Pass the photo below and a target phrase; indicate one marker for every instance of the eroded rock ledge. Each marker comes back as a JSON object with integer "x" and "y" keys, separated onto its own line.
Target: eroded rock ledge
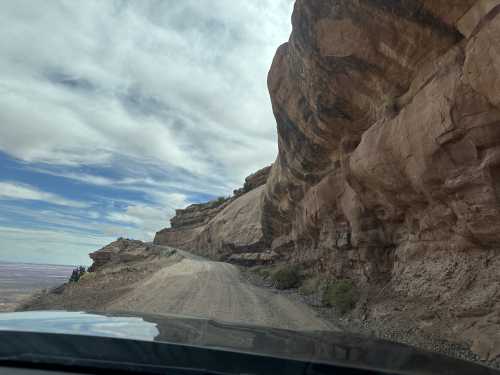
{"x": 121, "y": 251}
{"x": 388, "y": 172}
{"x": 221, "y": 227}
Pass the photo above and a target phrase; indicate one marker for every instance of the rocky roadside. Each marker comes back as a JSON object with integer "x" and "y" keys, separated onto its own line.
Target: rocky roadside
{"x": 117, "y": 268}
{"x": 402, "y": 333}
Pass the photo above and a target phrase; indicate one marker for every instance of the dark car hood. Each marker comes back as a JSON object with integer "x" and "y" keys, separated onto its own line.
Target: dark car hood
{"x": 311, "y": 346}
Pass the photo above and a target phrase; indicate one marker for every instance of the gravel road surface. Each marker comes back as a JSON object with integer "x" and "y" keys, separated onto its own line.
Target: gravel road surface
{"x": 216, "y": 290}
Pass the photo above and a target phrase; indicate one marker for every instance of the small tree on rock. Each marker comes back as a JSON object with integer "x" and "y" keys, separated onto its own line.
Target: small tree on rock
{"x": 77, "y": 274}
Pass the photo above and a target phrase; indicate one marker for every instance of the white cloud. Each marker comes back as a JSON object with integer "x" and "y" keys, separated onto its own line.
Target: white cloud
{"x": 48, "y": 246}
{"x": 143, "y": 182}
{"x": 15, "y": 190}
{"x": 93, "y": 215}
{"x": 81, "y": 177}
{"x": 180, "y": 84}
{"x": 147, "y": 219}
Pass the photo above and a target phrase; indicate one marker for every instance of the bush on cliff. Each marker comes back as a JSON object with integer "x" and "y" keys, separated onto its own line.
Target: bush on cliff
{"x": 264, "y": 271}
{"x": 311, "y": 286}
{"x": 220, "y": 200}
{"x": 340, "y": 295}
{"x": 286, "y": 277}
{"x": 77, "y": 273}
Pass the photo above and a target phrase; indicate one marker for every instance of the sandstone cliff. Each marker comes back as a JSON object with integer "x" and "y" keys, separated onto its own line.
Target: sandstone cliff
{"x": 222, "y": 227}
{"x": 120, "y": 252}
{"x": 388, "y": 172}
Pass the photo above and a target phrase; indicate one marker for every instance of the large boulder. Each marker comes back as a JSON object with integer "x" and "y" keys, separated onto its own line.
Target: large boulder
{"x": 120, "y": 251}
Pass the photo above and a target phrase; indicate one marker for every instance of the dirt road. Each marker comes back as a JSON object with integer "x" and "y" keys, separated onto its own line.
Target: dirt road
{"x": 198, "y": 287}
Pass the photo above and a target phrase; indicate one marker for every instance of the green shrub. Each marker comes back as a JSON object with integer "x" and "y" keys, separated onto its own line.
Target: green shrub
{"x": 220, "y": 200}
{"x": 167, "y": 252}
{"x": 286, "y": 277}
{"x": 77, "y": 273}
{"x": 340, "y": 295}
{"x": 256, "y": 269}
{"x": 390, "y": 104}
{"x": 310, "y": 286}
{"x": 263, "y": 271}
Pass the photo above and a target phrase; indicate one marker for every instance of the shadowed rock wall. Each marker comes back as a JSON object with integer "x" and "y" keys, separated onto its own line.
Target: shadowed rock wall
{"x": 388, "y": 171}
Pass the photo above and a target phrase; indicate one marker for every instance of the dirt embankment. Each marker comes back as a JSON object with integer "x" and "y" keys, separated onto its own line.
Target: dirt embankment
{"x": 164, "y": 281}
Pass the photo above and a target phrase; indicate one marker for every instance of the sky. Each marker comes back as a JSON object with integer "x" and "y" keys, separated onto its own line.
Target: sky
{"x": 115, "y": 113}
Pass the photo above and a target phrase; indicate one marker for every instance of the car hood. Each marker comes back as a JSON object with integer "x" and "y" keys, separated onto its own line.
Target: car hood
{"x": 311, "y": 346}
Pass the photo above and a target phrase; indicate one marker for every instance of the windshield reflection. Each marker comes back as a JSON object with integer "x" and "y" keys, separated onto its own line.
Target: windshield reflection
{"x": 79, "y": 323}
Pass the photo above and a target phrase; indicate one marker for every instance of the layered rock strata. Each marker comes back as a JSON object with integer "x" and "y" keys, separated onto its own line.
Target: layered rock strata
{"x": 119, "y": 252}
{"x": 221, "y": 227}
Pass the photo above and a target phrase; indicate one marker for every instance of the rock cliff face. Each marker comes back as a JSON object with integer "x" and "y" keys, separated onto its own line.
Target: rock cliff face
{"x": 119, "y": 252}
{"x": 254, "y": 181}
{"x": 198, "y": 214}
{"x": 388, "y": 172}
{"x": 221, "y": 227}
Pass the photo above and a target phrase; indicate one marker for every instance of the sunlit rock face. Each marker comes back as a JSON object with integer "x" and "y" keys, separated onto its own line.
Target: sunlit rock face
{"x": 346, "y": 68}
{"x": 388, "y": 172}
{"x": 222, "y": 227}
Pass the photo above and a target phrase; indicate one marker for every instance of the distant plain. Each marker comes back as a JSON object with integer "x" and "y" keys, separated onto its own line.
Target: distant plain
{"x": 18, "y": 281}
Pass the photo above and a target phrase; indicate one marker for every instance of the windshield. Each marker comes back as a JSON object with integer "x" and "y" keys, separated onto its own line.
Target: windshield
{"x": 314, "y": 166}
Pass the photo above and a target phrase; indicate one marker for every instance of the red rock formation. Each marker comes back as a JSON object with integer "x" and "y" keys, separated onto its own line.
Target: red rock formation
{"x": 388, "y": 170}
{"x": 221, "y": 227}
